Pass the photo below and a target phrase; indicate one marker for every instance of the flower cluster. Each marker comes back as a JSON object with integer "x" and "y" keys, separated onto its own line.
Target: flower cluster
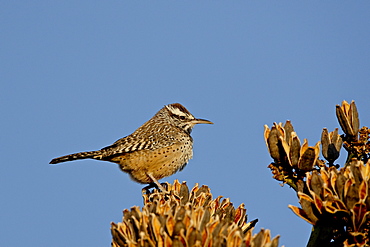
{"x": 334, "y": 200}
{"x": 291, "y": 158}
{"x": 182, "y": 218}
{"x": 340, "y": 200}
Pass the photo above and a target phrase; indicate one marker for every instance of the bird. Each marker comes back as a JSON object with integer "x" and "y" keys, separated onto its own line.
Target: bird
{"x": 159, "y": 148}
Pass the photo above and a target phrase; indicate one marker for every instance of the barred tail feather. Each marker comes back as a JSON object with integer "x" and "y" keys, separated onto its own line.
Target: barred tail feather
{"x": 77, "y": 156}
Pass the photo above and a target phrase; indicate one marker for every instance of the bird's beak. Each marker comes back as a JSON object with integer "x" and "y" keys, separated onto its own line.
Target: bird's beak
{"x": 200, "y": 121}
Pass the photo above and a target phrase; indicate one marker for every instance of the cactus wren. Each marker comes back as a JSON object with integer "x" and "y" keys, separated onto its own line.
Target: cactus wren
{"x": 159, "y": 148}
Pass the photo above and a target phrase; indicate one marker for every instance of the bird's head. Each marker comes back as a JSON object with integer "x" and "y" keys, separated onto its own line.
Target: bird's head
{"x": 182, "y": 118}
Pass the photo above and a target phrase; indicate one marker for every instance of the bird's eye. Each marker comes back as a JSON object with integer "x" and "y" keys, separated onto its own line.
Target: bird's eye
{"x": 182, "y": 117}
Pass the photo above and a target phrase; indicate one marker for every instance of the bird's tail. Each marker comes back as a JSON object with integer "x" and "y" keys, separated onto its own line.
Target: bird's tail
{"x": 78, "y": 156}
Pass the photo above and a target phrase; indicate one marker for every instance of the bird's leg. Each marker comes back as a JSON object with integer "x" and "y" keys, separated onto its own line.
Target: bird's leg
{"x": 159, "y": 186}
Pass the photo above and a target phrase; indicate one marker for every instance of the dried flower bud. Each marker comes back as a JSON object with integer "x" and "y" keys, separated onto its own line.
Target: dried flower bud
{"x": 272, "y": 138}
{"x": 283, "y": 144}
{"x": 331, "y": 144}
{"x": 348, "y": 118}
{"x": 309, "y": 156}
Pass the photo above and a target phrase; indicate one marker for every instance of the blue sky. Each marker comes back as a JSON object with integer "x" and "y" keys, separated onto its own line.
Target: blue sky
{"x": 78, "y": 75}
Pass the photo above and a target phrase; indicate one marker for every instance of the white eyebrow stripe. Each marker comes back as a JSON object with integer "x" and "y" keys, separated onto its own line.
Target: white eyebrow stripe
{"x": 176, "y": 111}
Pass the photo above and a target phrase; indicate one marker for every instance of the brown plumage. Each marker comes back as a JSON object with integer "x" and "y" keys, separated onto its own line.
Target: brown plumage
{"x": 159, "y": 148}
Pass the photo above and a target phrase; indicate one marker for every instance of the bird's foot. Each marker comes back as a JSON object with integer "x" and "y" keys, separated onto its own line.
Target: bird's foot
{"x": 163, "y": 187}
{"x": 156, "y": 183}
